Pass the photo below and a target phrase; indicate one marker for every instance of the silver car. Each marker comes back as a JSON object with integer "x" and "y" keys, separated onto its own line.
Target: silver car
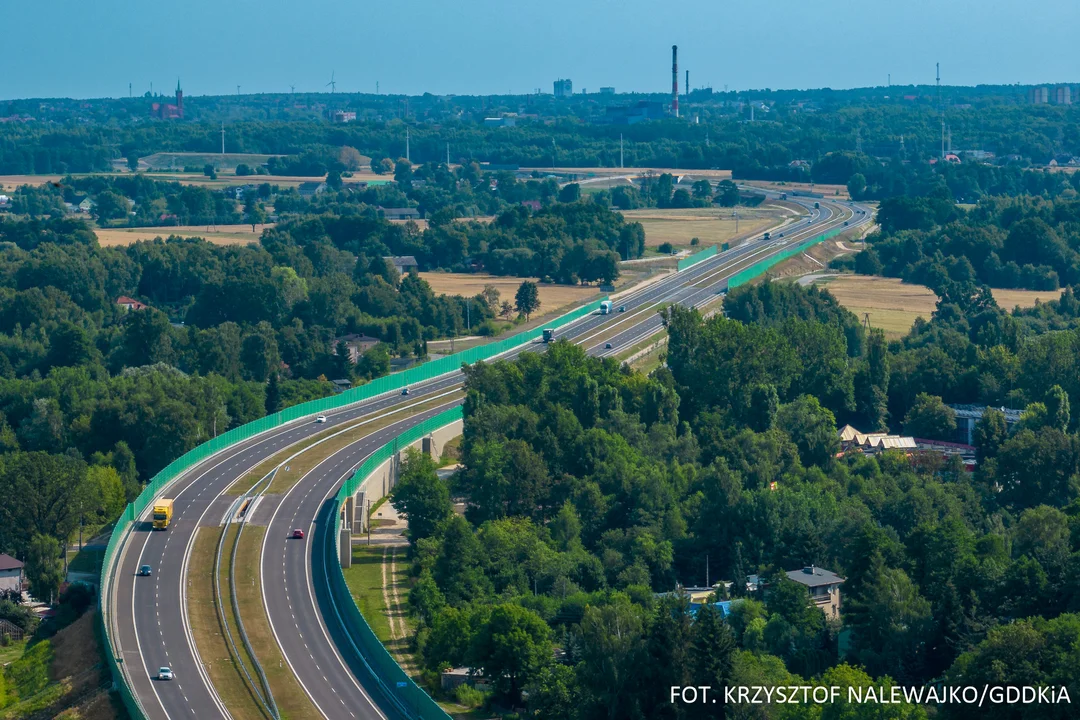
{"x": 165, "y": 673}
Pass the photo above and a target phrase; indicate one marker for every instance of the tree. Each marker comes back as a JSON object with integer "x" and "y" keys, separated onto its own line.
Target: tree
{"x": 868, "y": 263}
{"x": 420, "y": 495}
{"x": 527, "y": 298}
{"x": 990, "y": 433}
{"x": 930, "y": 418}
{"x": 727, "y": 193}
{"x": 702, "y": 190}
{"x": 243, "y": 170}
{"x": 44, "y": 568}
{"x": 812, "y": 428}
{"x": 570, "y": 193}
{"x": 254, "y": 215}
{"x": 506, "y": 309}
{"x": 1057, "y": 408}
{"x": 133, "y": 162}
{"x": 856, "y": 186}
{"x": 711, "y": 652}
{"x": 511, "y": 648}
{"x": 350, "y": 158}
{"x": 490, "y": 294}
{"x": 210, "y": 171}
{"x": 110, "y": 206}
{"x": 273, "y": 394}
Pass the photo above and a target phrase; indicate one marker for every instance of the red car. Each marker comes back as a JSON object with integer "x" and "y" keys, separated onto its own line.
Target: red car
{"x": 298, "y": 534}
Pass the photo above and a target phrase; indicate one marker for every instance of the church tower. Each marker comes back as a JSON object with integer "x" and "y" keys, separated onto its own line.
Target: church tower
{"x": 179, "y": 100}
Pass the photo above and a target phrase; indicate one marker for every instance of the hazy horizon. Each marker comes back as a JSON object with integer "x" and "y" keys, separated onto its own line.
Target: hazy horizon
{"x": 497, "y": 48}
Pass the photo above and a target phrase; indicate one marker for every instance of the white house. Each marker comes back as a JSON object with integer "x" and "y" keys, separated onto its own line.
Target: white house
{"x": 11, "y": 573}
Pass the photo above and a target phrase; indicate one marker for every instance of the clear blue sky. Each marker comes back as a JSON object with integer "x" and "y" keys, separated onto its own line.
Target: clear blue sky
{"x": 79, "y": 49}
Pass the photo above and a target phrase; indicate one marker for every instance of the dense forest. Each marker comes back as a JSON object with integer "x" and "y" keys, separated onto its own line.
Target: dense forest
{"x": 1027, "y": 242}
{"x": 592, "y": 492}
{"x": 96, "y": 398}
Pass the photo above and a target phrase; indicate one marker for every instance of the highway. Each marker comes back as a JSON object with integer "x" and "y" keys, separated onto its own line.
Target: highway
{"x": 150, "y": 612}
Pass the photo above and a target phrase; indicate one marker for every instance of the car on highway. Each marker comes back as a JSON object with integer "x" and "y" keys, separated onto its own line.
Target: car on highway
{"x": 165, "y": 673}
{"x": 144, "y": 571}
{"x": 297, "y": 534}
{"x": 845, "y": 223}
{"x": 607, "y": 346}
{"x": 404, "y": 391}
{"x": 320, "y": 419}
{"x": 781, "y": 234}
{"x": 622, "y": 308}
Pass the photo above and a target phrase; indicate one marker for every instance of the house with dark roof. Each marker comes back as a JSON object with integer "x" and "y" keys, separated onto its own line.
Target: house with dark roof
{"x": 11, "y": 574}
{"x": 403, "y": 264}
{"x": 311, "y": 189}
{"x": 824, "y": 586}
{"x": 399, "y": 213}
{"x": 968, "y": 415}
{"x": 357, "y": 345}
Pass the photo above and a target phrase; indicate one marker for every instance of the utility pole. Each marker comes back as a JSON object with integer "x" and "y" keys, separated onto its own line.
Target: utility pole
{"x": 222, "y": 138}
{"x": 447, "y": 156}
{"x": 407, "y": 144}
{"x": 621, "y": 152}
{"x": 552, "y": 154}
{"x": 237, "y": 91}
{"x": 129, "y": 89}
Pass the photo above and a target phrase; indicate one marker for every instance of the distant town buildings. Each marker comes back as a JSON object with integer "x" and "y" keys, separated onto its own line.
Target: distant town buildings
{"x": 343, "y": 116}
{"x": 563, "y": 88}
{"x": 11, "y": 574}
{"x": 642, "y": 112}
{"x": 1063, "y": 95}
{"x": 163, "y": 111}
{"x": 500, "y": 122}
{"x": 607, "y": 91}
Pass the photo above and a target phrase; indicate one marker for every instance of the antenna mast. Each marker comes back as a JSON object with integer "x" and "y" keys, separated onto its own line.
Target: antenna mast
{"x": 941, "y": 110}
{"x": 222, "y": 138}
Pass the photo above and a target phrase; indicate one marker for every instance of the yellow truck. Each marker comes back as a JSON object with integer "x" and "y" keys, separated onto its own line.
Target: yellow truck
{"x": 162, "y": 514}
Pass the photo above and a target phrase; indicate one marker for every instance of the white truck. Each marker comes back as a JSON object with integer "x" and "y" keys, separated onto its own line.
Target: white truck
{"x": 605, "y": 307}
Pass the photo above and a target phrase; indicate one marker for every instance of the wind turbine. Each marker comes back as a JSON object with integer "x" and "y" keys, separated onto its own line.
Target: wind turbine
{"x": 332, "y": 85}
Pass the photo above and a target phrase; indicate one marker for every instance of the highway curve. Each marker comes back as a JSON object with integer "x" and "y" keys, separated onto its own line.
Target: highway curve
{"x": 150, "y": 613}
{"x": 305, "y": 618}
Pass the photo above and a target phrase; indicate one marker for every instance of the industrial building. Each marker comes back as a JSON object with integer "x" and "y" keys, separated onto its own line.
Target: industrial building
{"x": 563, "y": 88}
{"x": 1063, "y": 95}
{"x": 1038, "y": 96}
{"x": 642, "y": 112}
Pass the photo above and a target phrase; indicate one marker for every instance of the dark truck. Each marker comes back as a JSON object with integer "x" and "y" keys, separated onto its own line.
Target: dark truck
{"x": 549, "y": 334}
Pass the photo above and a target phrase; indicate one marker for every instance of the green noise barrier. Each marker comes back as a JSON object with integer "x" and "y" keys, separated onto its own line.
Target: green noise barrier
{"x": 195, "y": 456}
{"x": 396, "y": 683}
{"x": 744, "y": 276}
{"x": 696, "y": 258}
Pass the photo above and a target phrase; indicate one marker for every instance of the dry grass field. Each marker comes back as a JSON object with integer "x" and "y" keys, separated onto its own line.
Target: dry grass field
{"x": 8, "y": 183}
{"x": 217, "y": 234}
{"x": 1009, "y": 299}
{"x": 893, "y": 304}
{"x": 552, "y": 297}
{"x": 710, "y": 226}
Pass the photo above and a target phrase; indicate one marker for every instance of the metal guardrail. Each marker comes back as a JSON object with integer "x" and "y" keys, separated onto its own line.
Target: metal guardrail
{"x": 220, "y": 605}
{"x": 197, "y": 455}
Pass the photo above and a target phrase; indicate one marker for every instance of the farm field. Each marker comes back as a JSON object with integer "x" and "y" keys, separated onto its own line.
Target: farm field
{"x": 8, "y": 183}
{"x": 552, "y": 297}
{"x": 218, "y": 234}
{"x": 710, "y": 226}
{"x": 893, "y": 304}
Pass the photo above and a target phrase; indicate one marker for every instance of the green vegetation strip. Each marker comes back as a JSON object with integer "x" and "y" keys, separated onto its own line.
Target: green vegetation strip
{"x": 210, "y": 638}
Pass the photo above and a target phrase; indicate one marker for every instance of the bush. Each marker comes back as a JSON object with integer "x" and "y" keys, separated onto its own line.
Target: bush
{"x": 243, "y": 170}
{"x": 666, "y": 248}
{"x": 470, "y": 697}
